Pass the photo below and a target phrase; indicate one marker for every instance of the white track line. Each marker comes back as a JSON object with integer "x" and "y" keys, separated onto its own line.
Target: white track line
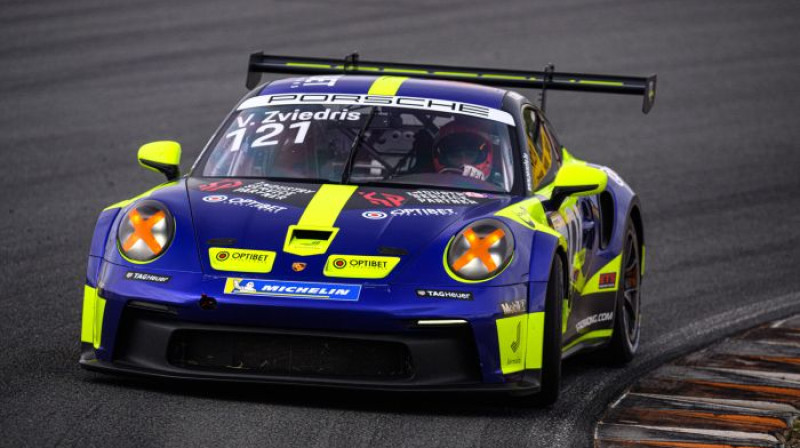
{"x": 782, "y": 376}
{"x": 743, "y": 404}
{"x": 721, "y": 434}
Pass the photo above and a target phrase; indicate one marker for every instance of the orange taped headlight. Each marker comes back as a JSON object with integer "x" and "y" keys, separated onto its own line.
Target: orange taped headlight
{"x": 481, "y": 250}
{"x": 145, "y": 231}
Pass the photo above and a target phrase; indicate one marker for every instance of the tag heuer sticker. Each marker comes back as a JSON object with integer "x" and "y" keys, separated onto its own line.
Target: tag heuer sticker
{"x": 145, "y": 277}
{"x": 443, "y": 294}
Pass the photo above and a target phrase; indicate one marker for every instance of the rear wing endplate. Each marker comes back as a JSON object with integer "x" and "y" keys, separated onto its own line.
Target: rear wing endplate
{"x": 550, "y": 80}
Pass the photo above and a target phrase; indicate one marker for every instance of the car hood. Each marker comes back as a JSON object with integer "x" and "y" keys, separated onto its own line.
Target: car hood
{"x": 403, "y": 222}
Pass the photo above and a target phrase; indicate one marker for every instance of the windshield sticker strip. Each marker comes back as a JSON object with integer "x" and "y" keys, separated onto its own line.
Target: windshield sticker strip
{"x": 387, "y": 85}
{"x": 407, "y": 102}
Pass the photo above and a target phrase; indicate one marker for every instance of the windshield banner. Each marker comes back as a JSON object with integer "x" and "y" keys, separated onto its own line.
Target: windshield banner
{"x": 455, "y": 107}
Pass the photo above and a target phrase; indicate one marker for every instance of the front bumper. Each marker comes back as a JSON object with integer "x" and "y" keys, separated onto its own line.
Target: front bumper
{"x": 515, "y": 388}
{"x": 377, "y": 343}
{"x": 156, "y": 344}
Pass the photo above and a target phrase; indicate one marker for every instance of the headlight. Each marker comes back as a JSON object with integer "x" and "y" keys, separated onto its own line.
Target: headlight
{"x": 145, "y": 231}
{"x": 481, "y": 250}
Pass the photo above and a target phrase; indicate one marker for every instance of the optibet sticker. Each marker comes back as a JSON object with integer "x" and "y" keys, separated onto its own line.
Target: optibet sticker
{"x": 240, "y": 260}
{"x": 244, "y": 202}
{"x": 359, "y": 266}
{"x": 374, "y": 215}
{"x": 215, "y": 198}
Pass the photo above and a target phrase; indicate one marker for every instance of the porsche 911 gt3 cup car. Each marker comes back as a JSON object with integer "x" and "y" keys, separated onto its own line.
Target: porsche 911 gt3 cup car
{"x": 372, "y": 225}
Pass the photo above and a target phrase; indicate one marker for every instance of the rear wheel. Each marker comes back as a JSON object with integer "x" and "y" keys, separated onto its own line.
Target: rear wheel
{"x": 551, "y": 349}
{"x": 627, "y": 325}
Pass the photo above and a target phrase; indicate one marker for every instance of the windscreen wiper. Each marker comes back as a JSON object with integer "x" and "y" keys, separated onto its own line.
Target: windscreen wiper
{"x": 348, "y": 166}
{"x": 304, "y": 180}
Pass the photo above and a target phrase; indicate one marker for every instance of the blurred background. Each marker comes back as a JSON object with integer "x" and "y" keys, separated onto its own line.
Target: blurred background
{"x": 84, "y": 83}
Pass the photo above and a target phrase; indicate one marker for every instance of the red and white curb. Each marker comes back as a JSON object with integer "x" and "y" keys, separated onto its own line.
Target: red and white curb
{"x": 741, "y": 392}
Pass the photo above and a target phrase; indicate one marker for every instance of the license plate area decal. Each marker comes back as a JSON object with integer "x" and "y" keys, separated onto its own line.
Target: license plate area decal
{"x": 293, "y": 290}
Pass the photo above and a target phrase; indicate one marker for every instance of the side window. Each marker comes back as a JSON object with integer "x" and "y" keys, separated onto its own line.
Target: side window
{"x": 553, "y": 139}
{"x": 540, "y": 148}
{"x": 550, "y": 146}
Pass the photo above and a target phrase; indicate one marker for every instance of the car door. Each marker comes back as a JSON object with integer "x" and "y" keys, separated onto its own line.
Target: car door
{"x": 587, "y": 227}
{"x": 575, "y": 219}
{"x": 545, "y": 159}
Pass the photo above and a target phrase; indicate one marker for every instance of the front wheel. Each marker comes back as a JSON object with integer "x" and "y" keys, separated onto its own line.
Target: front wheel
{"x": 627, "y": 318}
{"x": 551, "y": 349}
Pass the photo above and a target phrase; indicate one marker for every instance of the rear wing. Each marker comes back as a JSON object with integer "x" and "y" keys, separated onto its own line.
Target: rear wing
{"x": 545, "y": 80}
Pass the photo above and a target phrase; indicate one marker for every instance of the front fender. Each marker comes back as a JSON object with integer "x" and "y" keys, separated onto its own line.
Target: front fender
{"x": 182, "y": 254}
{"x": 98, "y": 245}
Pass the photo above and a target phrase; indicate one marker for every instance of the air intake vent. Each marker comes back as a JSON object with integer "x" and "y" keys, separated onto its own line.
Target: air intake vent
{"x": 290, "y": 355}
{"x": 304, "y": 240}
{"x": 320, "y": 235}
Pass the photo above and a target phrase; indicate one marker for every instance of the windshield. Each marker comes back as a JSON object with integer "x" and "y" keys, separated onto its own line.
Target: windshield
{"x": 398, "y": 146}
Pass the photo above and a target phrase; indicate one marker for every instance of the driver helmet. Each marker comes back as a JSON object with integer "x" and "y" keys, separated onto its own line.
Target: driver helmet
{"x": 290, "y": 159}
{"x": 464, "y": 149}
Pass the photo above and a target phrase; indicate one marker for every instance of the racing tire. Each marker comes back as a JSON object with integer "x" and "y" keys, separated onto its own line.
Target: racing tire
{"x": 627, "y": 316}
{"x": 551, "y": 349}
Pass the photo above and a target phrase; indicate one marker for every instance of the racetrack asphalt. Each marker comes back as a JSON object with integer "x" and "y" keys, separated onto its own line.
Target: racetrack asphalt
{"x": 84, "y": 83}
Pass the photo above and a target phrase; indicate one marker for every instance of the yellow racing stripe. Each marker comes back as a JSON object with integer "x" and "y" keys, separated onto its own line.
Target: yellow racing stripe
{"x": 326, "y": 205}
{"x": 314, "y": 232}
{"x": 386, "y": 85}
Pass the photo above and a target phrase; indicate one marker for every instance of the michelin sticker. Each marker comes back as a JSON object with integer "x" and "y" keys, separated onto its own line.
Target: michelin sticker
{"x": 294, "y": 290}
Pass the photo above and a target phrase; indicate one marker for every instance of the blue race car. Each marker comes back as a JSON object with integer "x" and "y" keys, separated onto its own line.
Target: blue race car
{"x": 373, "y": 225}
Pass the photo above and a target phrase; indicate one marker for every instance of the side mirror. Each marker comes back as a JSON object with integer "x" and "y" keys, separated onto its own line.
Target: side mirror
{"x": 161, "y": 157}
{"x": 576, "y": 180}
